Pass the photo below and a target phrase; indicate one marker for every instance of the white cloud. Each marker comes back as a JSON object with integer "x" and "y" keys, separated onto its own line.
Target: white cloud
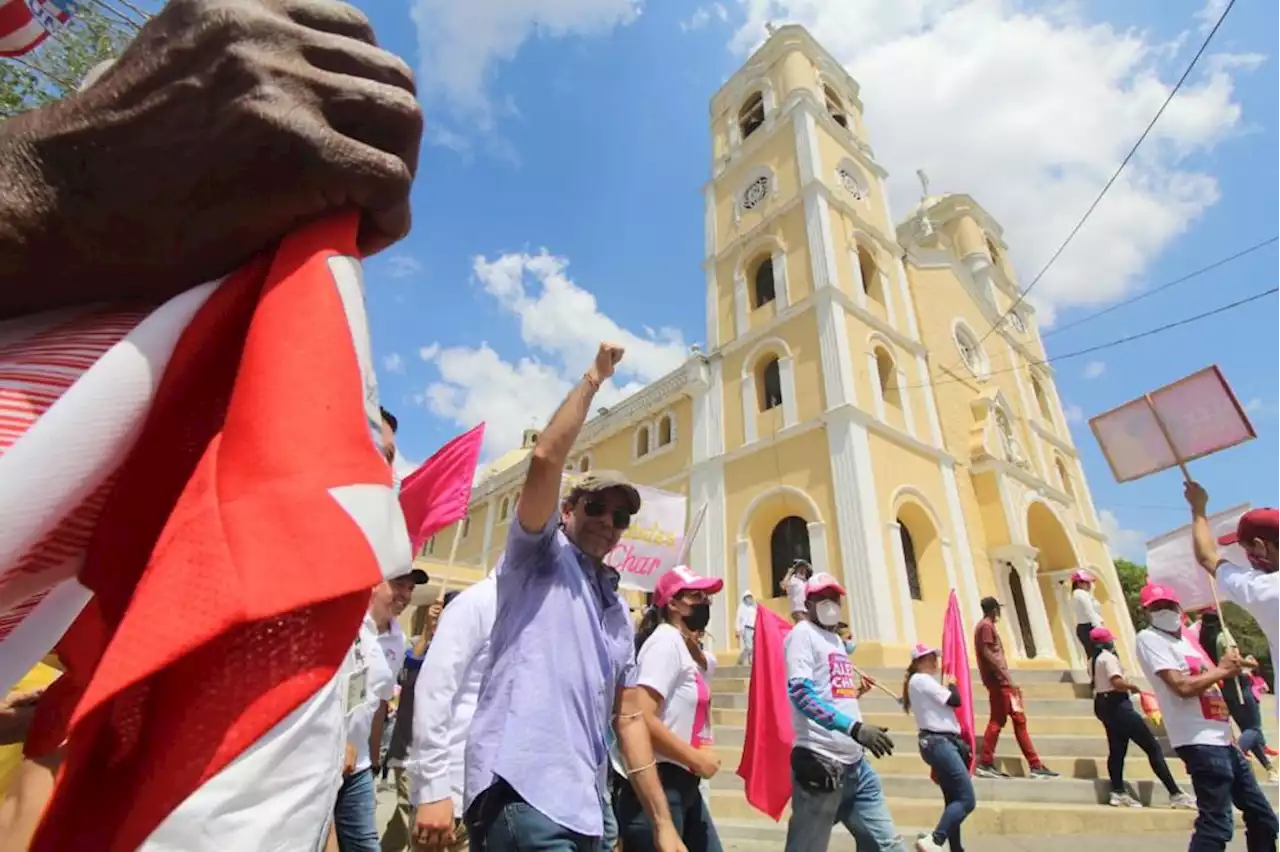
{"x": 563, "y": 324}
{"x": 1030, "y": 111}
{"x": 1074, "y": 413}
{"x": 702, "y": 16}
{"x": 1094, "y": 369}
{"x": 393, "y": 363}
{"x": 1126, "y": 543}
{"x": 403, "y": 265}
{"x": 461, "y": 42}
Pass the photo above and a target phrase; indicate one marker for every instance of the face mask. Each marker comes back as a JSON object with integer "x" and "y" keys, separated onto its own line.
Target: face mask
{"x": 849, "y": 645}
{"x": 1166, "y": 620}
{"x": 828, "y": 613}
{"x": 699, "y": 616}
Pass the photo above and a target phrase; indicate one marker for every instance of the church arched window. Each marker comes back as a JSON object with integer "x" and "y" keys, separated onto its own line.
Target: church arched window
{"x": 763, "y": 290}
{"x": 835, "y": 108}
{"x": 751, "y": 116}
{"x": 788, "y": 542}
{"x": 770, "y": 384}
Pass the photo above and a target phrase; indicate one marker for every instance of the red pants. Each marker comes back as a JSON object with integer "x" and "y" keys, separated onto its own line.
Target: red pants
{"x": 1006, "y": 704}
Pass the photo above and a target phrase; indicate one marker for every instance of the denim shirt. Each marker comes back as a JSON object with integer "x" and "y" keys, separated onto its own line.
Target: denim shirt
{"x": 562, "y": 645}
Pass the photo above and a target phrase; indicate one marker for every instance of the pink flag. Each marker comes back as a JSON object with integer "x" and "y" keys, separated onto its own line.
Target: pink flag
{"x": 766, "y": 749}
{"x": 955, "y": 662}
{"x": 437, "y": 493}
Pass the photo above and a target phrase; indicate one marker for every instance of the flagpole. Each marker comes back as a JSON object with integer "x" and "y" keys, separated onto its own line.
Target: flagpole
{"x": 887, "y": 691}
{"x": 687, "y": 544}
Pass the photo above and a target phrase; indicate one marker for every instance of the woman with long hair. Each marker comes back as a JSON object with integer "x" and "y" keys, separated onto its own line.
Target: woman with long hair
{"x": 1114, "y": 709}
{"x": 1241, "y": 702}
{"x": 934, "y": 706}
{"x": 676, "y": 700}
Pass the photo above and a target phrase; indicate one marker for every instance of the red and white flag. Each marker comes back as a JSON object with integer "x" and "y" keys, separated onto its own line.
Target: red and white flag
{"x": 24, "y": 24}
{"x": 222, "y": 515}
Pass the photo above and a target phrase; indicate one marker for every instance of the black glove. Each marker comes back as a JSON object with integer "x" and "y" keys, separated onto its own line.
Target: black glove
{"x": 874, "y": 739}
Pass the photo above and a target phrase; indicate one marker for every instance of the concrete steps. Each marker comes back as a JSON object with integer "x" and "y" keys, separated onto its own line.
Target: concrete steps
{"x": 1067, "y": 736}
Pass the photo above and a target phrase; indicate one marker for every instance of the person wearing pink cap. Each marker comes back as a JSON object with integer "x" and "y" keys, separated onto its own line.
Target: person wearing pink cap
{"x": 1114, "y": 709}
{"x": 1196, "y": 719}
{"x": 831, "y": 779}
{"x": 1085, "y": 608}
{"x": 673, "y": 674}
{"x": 948, "y": 755}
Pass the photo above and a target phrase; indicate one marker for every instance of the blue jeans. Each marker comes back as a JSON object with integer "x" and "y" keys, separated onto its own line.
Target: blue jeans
{"x": 354, "y": 814}
{"x": 858, "y": 802}
{"x": 688, "y": 809}
{"x": 500, "y": 821}
{"x": 943, "y": 755}
{"x": 1221, "y": 777}
{"x": 610, "y": 838}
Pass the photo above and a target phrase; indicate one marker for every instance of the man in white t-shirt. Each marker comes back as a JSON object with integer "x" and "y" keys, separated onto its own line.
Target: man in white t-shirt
{"x": 1195, "y": 716}
{"x": 830, "y": 778}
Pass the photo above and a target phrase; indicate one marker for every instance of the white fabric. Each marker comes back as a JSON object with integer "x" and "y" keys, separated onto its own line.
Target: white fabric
{"x": 746, "y": 617}
{"x": 795, "y": 594}
{"x": 818, "y": 656}
{"x": 1199, "y": 720}
{"x": 446, "y": 693}
{"x": 929, "y": 705}
{"x": 1085, "y": 608}
{"x": 1106, "y": 667}
{"x": 666, "y": 667}
{"x": 381, "y": 655}
{"x": 1257, "y": 593}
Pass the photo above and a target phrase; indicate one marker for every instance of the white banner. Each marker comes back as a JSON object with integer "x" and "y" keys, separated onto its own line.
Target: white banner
{"x": 651, "y": 545}
{"x": 1171, "y": 559}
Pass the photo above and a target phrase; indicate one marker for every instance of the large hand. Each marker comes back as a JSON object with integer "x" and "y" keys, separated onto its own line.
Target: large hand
{"x": 667, "y": 839}
{"x": 707, "y": 764}
{"x": 16, "y": 713}
{"x": 607, "y": 359}
{"x": 433, "y": 826}
{"x": 224, "y": 125}
{"x": 874, "y": 739}
{"x": 1197, "y": 497}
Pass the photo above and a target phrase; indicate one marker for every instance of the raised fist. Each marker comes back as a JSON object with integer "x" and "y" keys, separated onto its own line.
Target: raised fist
{"x": 607, "y": 359}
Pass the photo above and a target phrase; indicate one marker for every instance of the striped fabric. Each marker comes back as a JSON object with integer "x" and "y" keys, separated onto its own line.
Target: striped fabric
{"x": 24, "y": 24}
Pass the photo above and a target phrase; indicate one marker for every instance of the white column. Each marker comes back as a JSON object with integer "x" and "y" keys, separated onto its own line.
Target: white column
{"x": 1004, "y": 594}
{"x": 780, "y": 280}
{"x": 858, "y": 287}
{"x": 817, "y": 223}
{"x": 818, "y": 547}
{"x": 713, "y": 309}
{"x": 744, "y": 571}
{"x": 487, "y": 542}
{"x": 787, "y": 378}
{"x": 948, "y": 562}
{"x": 709, "y": 222}
{"x": 930, "y": 404}
{"x": 749, "y": 407}
{"x": 808, "y": 155}
{"x": 908, "y": 305}
{"x": 968, "y": 587}
{"x": 877, "y": 392}
{"x": 904, "y": 394}
{"x": 741, "y": 305}
{"x": 890, "y": 315}
{"x": 833, "y": 350}
{"x": 1075, "y": 654}
{"x": 907, "y": 617}
{"x": 706, "y": 488}
{"x": 1040, "y": 628}
{"x": 863, "y": 569}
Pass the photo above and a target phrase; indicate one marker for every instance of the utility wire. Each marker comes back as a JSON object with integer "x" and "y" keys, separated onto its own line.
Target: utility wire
{"x": 1118, "y": 305}
{"x": 1053, "y": 258}
{"x": 1110, "y": 344}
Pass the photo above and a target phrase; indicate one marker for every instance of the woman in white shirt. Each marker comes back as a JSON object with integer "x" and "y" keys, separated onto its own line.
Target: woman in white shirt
{"x": 676, "y": 699}
{"x": 934, "y": 707}
{"x": 1114, "y": 709}
{"x": 793, "y": 584}
{"x": 1085, "y": 608}
{"x": 745, "y": 625}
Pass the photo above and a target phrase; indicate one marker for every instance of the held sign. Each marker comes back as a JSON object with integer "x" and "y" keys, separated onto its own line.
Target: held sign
{"x": 651, "y": 545}
{"x": 1189, "y": 419}
{"x": 1171, "y": 559}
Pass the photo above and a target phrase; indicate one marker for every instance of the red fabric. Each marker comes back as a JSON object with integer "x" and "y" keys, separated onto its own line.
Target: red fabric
{"x": 955, "y": 662}
{"x": 437, "y": 493}
{"x": 1006, "y": 704}
{"x": 228, "y": 582}
{"x": 766, "y": 750}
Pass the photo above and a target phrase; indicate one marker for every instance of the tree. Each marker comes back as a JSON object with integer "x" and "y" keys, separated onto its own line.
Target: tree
{"x": 1250, "y": 637}
{"x": 97, "y": 32}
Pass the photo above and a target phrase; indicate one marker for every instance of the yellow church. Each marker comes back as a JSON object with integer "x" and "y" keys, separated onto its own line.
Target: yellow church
{"x": 872, "y": 397}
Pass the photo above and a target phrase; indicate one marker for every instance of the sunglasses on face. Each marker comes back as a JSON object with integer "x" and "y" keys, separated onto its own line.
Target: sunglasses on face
{"x": 597, "y": 509}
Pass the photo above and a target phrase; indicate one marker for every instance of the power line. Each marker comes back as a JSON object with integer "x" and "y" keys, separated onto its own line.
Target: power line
{"x": 1110, "y": 182}
{"x": 1117, "y": 306}
{"x": 1108, "y": 345}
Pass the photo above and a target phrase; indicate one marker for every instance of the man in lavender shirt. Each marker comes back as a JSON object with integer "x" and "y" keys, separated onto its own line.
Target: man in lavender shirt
{"x": 562, "y": 660}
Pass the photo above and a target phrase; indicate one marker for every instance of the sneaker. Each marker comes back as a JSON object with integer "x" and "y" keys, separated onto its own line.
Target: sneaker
{"x": 988, "y": 770}
{"x": 926, "y": 844}
{"x": 1043, "y": 772}
{"x": 1123, "y": 800}
{"x": 1272, "y": 776}
{"x": 1183, "y": 802}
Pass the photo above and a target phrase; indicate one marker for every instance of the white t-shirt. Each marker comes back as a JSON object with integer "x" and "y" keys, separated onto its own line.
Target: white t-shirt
{"x": 795, "y": 594}
{"x": 1201, "y": 720}
{"x": 1106, "y": 667}
{"x": 819, "y": 656}
{"x": 1085, "y": 608}
{"x": 1257, "y": 593}
{"x": 929, "y": 705}
{"x": 378, "y": 658}
{"x": 666, "y": 667}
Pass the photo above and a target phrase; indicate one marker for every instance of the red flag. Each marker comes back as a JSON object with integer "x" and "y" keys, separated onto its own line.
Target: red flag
{"x": 955, "y": 662}
{"x": 437, "y": 493}
{"x": 232, "y": 564}
{"x": 766, "y": 750}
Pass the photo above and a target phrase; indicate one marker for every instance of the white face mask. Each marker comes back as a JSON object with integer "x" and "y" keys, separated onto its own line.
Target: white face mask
{"x": 1167, "y": 620}
{"x": 828, "y": 613}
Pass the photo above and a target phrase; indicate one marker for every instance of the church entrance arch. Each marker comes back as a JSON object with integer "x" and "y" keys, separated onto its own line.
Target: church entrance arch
{"x": 1054, "y": 554}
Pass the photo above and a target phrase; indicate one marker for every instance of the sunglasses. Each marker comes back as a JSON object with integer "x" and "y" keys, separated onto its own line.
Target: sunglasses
{"x": 597, "y": 509}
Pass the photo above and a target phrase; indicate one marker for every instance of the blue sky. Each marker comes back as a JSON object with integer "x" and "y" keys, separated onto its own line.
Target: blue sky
{"x": 558, "y": 200}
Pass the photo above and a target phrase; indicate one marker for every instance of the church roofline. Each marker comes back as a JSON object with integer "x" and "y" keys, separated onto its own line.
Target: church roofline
{"x": 786, "y": 36}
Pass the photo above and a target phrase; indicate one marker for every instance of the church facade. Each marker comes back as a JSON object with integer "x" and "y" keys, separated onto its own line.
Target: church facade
{"x": 872, "y": 397}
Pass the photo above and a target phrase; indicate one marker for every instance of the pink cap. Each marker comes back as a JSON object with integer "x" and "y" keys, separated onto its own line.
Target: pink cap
{"x": 1256, "y": 523}
{"x": 922, "y": 650}
{"x": 1082, "y": 577}
{"x": 1102, "y": 634}
{"x": 822, "y": 582}
{"x": 1155, "y": 593}
{"x": 681, "y": 579}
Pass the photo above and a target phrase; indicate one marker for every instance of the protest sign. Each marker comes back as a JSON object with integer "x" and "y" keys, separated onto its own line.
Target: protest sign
{"x": 1172, "y": 561}
{"x": 1169, "y": 427}
{"x": 652, "y": 544}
